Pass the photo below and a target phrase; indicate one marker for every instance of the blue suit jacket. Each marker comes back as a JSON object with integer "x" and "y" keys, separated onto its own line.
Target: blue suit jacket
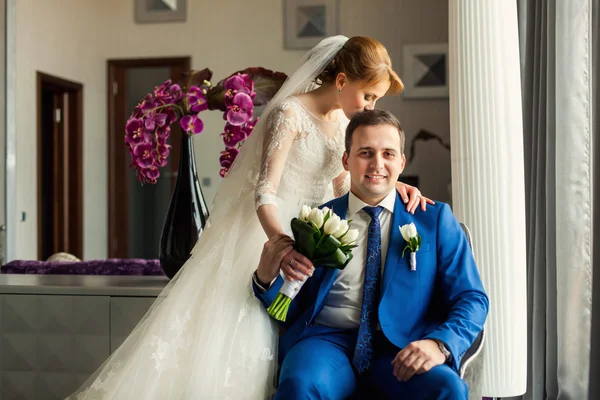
{"x": 443, "y": 299}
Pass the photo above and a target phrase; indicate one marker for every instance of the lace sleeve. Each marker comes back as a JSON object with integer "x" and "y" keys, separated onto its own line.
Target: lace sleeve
{"x": 341, "y": 184}
{"x": 282, "y": 128}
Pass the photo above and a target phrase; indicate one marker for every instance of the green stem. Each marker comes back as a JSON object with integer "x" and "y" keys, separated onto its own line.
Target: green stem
{"x": 274, "y": 307}
{"x": 164, "y": 106}
{"x": 279, "y": 308}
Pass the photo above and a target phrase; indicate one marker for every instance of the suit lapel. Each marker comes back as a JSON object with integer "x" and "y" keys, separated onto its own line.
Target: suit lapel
{"x": 394, "y": 263}
{"x": 340, "y": 207}
{"x": 394, "y": 260}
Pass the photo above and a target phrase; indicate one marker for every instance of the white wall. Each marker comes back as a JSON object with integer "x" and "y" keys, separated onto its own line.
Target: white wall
{"x": 57, "y": 37}
{"x": 3, "y": 69}
{"x": 396, "y": 23}
{"x": 73, "y": 39}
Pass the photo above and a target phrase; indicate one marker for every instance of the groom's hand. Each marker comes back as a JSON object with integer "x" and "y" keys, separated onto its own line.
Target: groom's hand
{"x": 417, "y": 358}
{"x": 273, "y": 252}
{"x": 295, "y": 266}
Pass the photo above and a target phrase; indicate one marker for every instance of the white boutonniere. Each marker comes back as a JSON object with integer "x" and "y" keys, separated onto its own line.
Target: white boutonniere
{"x": 413, "y": 243}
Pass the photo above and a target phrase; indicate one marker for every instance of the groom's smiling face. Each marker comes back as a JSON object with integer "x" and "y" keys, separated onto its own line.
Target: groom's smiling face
{"x": 375, "y": 161}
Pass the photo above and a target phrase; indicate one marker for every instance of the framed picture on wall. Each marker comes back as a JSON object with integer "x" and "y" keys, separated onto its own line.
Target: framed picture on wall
{"x": 307, "y": 22}
{"x": 425, "y": 72}
{"x": 149, "y": 11}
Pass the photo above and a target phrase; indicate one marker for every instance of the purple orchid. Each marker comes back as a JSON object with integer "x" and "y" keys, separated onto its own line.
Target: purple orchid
{"x": 150, "y": 175}
{"x": 175, "y": 90}
{"x": 162, "y": 150}
{"x": 228, "y": 156}
{"x": 233, "y": 135}
{"x": 223, "y": 172}
{"x": 226, "y": 164}
{"x": 192, "y": 124}
{"x": 240, "y": 110}
{"x": 167, "y": 94}
{"x": 171, "y": 116}
{"x": 143, "y": 154}
{"x": 155, "y": 120}
{"x": 149, "y": 105}
{"x": 162, "y": 134}
{"x": 162, "y": 89}
{"x": 240, "y": 83}
{"x": 176, "y": 93}
{"x": 134, "y": 130}
{"x": 148, "y": 129}
{"x": 197, "y": 99}
{"x": 249, "y": 127}
{"x": 139, "y": 110}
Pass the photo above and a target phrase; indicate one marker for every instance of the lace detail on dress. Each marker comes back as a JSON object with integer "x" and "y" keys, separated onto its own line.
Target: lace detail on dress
{"x": 282, "y": 126}
{"x": 100, "y": 384}
{"x": 265, "y": 192}
{"x": 341, "y": 184}
{"x": 165, "y": 355}
{"x": 266, "y": 355}
{"x": 301, "y": 156}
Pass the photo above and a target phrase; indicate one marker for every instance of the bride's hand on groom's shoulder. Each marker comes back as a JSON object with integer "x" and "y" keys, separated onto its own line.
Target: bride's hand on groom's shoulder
{"x": 274, "y": 250}
{"x": 412, "y": 197}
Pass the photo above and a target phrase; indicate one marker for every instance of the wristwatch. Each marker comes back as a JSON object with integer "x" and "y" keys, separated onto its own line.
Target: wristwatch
{"x": 443, "y": 349}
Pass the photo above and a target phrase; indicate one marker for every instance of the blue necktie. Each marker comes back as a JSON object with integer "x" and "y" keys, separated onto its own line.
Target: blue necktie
{"x": 368, "y": 316}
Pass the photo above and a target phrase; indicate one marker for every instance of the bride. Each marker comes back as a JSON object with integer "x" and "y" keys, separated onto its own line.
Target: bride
{"x": 206, "y": 336}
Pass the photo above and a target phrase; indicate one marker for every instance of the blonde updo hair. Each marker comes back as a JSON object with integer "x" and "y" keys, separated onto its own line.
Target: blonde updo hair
{"x": 362, "y": 59}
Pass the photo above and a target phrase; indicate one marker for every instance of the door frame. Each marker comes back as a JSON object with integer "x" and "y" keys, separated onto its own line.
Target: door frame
{"x": 73, "y": 92}
{"x": 117, "y": 158}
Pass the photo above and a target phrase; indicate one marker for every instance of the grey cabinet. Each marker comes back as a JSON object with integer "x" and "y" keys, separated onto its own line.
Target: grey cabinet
{"x": 51, "y": 343}
{"x": 54, "y": 338}
{"x": 125, "y": 313}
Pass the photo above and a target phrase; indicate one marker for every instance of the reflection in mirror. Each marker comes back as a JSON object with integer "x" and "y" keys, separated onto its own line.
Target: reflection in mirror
{"x": 144, "y": 201}
{"x": 135, "y": 211}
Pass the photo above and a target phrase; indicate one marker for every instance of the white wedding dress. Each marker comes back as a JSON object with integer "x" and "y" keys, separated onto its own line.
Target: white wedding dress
{"x": 207, "y": 336}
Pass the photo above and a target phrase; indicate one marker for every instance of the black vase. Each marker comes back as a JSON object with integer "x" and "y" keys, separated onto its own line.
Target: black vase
{"x": 187, "y": 214}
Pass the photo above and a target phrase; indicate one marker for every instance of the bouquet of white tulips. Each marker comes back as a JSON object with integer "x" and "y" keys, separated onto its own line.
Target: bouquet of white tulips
{"x": 326, "y": 240}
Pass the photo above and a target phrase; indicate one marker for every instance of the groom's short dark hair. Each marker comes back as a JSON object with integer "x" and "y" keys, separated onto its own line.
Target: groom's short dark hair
{"x": 373, "y": 118}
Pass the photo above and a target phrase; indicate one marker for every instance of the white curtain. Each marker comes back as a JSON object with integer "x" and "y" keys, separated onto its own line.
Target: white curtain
{"x": 558, "y": 111}
{"x": 487, "y": 176}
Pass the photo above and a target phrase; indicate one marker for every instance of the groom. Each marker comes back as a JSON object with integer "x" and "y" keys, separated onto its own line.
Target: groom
{"x": 377, "y": 326}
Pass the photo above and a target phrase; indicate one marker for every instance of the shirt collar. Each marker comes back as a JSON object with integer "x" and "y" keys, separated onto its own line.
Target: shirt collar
{"x": 355, "y": 204}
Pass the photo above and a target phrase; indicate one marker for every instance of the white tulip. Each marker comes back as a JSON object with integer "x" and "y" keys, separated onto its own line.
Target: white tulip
{"x": 342, "y": 228}
{"x": 332, "y": 225}
{"x": 316, "y": 217}
{"x": 408, "y": 231}
{"x": 350, "y": 237}
{"x": 305, "y": 212}
{"x": 325, "y": 210}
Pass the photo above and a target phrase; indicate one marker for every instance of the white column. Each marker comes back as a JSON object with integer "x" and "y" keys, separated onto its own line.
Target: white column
{"x": 488, "y": 177}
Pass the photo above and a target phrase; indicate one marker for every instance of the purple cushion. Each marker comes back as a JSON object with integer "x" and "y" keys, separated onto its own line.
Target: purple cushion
{"x": 111, "y": 266}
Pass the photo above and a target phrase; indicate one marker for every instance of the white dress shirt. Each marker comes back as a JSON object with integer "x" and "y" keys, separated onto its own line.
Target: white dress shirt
{"x": 343, "y": 303}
